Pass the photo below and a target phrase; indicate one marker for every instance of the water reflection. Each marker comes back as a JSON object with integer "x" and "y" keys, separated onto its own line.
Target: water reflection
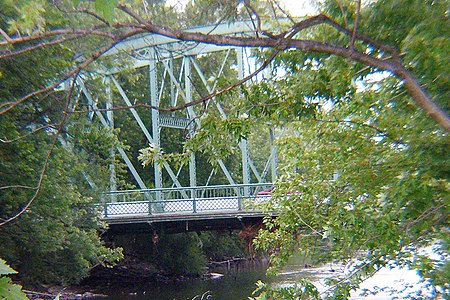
{"x": 237, "y": 283}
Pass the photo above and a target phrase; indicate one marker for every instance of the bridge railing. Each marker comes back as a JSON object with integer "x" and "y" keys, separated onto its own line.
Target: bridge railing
{"x": 182, "y": 200}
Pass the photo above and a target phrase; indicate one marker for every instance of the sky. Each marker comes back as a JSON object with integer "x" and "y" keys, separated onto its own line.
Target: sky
{"x": 298, "y": 7}
{"x": 294, "y": 7}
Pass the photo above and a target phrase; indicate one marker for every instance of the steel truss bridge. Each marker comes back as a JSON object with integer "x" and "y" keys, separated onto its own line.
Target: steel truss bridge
{"x": 171, "y": 67}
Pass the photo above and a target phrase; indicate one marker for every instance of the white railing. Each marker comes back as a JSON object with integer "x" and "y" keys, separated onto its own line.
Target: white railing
{"x": 183, "y": 200}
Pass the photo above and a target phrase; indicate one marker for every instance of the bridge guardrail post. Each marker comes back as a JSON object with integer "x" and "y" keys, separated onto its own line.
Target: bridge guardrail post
{"x": 149, "y": 199}
{"x": 239, "y": 198}
{"x": 194, "y": 201}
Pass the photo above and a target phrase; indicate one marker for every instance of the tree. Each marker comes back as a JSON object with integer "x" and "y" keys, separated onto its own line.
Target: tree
{"x": 365, "y": 174}
{"x": 403, "y": 168}
{"x": 62, "y": 226}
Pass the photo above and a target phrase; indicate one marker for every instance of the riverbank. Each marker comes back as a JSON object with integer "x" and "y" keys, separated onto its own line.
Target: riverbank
{"x": 132, "y": 273}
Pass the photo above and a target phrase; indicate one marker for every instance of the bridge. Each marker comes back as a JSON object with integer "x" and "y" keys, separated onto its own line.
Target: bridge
{"x": 176, "y": 74}
{"x": 186, "y": 209}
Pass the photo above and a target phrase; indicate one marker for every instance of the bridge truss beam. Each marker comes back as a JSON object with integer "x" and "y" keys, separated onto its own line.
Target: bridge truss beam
{"x": 166, "y": 58}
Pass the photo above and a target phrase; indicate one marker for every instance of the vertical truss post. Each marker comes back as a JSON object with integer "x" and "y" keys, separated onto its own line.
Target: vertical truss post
{"x": 173, "y": 96}
{"x": 110, "y": 120}
{"x": 274, "y": 158}
{"x": 154, "y": 101}
{"x": 244, "y": 142}
{"x": 188, "y": 89}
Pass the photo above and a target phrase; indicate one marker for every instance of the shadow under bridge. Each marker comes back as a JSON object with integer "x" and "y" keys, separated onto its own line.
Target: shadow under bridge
{"x": 173, "y": 210}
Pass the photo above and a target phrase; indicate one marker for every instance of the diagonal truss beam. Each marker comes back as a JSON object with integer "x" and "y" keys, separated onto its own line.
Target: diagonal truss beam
{"x": 193, "y": 116}
{"x": 210, "y": 90}
{"x": 104, "y": 122}
{"x": 144, "y": 129}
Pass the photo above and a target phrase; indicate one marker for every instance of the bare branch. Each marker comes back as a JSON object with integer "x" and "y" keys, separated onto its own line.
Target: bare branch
{"x": 56, "y": 32}
{"x": 279, "y": 42}
{"x": 423, "y": 215}
{"x": 344, "y": 13}
{"x": 355, "y": 26}
{"x": 195, "y": 102}
{"x": 39, "y": 46}
{"x": 6, "y": 141}
{"x": 5, "y": 35}
{"x": 230, "y": 87}
{"x": 7, "y": 106}
{"x": 377, "y": 129}
{"x": 17, "y": 187}
{"x": 410, "y": 82}
{"x": 258, "y": 26}
{"x": 83, "y": 11}
{"x": 323, "y": 19}
{"x": 283, "y": 11}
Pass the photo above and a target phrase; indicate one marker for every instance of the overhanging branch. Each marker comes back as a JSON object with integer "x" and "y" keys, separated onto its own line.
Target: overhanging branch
{"x": 411, "y": 83}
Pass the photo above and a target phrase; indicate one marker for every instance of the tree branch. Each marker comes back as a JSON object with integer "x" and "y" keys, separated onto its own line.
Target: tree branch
{"x": 17, "y": 187}
{"x": 68, "y": 31}
{"x": 5, "y": 35}
{"x": 198, "y": 101}
{"x": 7, "y": 106}
{"x": 411, "y": 84}
{"x": 39, "y": 46}
{"x": 83, "y": 11}
{"x": 355, "y": 26}
{"x": 6, "y": 141}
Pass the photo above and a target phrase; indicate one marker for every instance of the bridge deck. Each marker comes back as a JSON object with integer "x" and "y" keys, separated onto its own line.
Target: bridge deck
{"x": 218, "y": 210}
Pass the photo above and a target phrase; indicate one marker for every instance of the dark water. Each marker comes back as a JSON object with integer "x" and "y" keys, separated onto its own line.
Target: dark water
{"x": 236, "y": 284}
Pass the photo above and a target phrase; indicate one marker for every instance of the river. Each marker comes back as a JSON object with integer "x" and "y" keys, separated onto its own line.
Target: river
{"x": 237, "y": 283}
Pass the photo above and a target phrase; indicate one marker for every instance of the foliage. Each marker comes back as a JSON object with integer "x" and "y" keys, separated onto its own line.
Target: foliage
{"x": 302, "y": 290}
{"x": 219, "y": 246}
{"x": 9, "y": 290}
{"x": 364, "y": 173}
{"x": 62, "y": 229}
{"x": 180, "y": 254}
{"x": 55, "y": 162}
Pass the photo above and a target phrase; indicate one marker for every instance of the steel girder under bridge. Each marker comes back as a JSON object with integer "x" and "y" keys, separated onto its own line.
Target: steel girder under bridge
{"x": 171, "y": 66}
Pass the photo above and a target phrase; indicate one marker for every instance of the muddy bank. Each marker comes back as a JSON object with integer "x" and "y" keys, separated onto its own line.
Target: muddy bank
{"x": 68, "y": 293}
{"x": 133, "y": 270}
{"x": 128, "y": 270}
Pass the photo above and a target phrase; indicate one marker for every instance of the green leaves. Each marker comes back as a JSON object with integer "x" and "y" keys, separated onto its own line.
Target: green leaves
{"x": 366, "y": 175}
{"x": 5, "y": 269}
{"x": 106, "y": 7}
{"x": 303, "y": 289}
{"x": 11, "y": 291}
{"x": 31, "y": 17}
{"x": 8, "y": 290}
{"x": 359, "y": 177}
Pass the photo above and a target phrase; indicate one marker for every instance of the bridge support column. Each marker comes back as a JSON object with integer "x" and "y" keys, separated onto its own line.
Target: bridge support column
{"x": 112, "y": 152}
{"x": 154, "y": 101}
{"x": 192, "y": 116}
{"x": 274, "y": 161}
{"x": 244, "y": 142}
